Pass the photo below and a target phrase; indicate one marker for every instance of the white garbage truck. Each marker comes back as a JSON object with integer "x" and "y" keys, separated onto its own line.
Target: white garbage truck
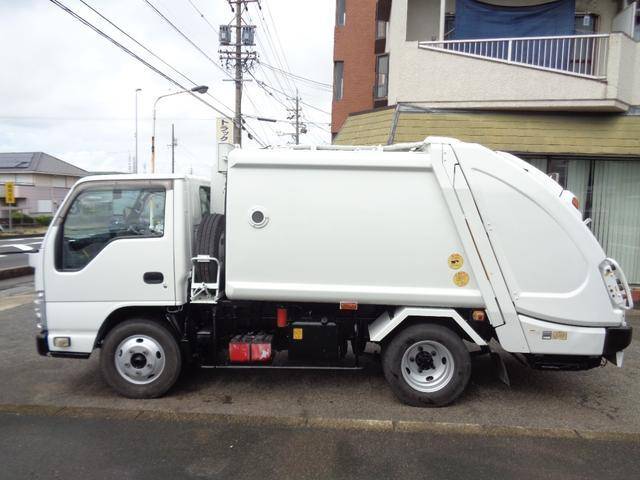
{"x": 306, "y": 257}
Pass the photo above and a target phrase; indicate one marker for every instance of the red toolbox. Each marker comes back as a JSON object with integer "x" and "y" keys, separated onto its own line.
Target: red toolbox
{"x": 250, "y": 348}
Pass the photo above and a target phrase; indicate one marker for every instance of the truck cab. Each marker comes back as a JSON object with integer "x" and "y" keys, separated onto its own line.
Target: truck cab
{"x": 118, "y": 244}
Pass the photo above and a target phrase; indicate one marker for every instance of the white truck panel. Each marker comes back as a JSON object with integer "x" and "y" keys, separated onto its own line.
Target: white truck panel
{"x": 81, "y": 321}
{"x": 548, "y": 257}
{"x": 386, "y": 323}
{"x": 552, "y": 338}
{"x": 362, "y": 226}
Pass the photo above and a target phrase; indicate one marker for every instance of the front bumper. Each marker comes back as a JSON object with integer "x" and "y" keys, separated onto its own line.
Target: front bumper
{"x": 42, "y": 345}
{"x": 616, "y": 339}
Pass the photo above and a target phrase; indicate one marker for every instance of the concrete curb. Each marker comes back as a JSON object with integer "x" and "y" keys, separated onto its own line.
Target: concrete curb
{"x": 400, "y": 426}
{"x": 15, "y": 272}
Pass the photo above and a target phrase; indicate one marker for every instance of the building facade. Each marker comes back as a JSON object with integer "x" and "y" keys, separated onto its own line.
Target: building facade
{"x": 361, "y": 64}
{"x": 41, "y": 181}
{"x": 556, "y": 83}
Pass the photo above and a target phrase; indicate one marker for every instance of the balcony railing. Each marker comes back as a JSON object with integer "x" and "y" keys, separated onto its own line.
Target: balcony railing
{"x": 580, "y": 55}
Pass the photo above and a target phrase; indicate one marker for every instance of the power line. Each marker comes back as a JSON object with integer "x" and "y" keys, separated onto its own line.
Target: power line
{"x": 285, "y": 66}
{"x": 149, "y": 51}
{"x": 193, "y": 44}
{"x": 203, "y": 17}
{"x": 299, "y": 77}
{"x": 131, "y": 53}
{"x": 276, "y": 55}
{"x": 140, "y": 59}
{"x": 291, "y": 98}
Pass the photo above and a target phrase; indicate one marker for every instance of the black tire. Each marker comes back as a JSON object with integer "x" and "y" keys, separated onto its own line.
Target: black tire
{"x": 210, "y": 241}
{"x": 394, "y": 351}
{"x": 165, "y": 379}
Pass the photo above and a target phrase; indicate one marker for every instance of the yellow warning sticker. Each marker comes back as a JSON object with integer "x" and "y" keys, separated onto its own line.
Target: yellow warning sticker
{"x": 461, "y": 279}
{"x": 297, "y": 334}
{"x": 456, "y": 261}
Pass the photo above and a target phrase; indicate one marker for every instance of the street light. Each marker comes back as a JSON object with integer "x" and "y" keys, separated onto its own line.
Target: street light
{"x": 199, "y": 89}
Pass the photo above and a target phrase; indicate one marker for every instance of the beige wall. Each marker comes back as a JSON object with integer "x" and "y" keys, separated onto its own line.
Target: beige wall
{"x": 432, "y": 78}
{"x": 623, "y": 69}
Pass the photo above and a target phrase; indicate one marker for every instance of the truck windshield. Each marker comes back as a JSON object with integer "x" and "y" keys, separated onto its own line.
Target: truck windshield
{"x": 99, "y": 216}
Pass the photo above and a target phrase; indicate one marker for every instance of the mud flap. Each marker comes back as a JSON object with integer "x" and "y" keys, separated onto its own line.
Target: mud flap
{"x": 501, "y": 368}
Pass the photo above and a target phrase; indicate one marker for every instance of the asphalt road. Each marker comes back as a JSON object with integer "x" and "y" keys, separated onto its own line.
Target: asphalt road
{"x": 50, "y": 447}
{"x": 602, "y": 400}
{"x": 58, "y": 419}
{"x": 14, "y": 252}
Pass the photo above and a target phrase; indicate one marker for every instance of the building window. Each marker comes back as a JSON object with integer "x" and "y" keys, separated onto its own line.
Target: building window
{"x": 449, "y": 25}
{"x": 607, "y": 191}
{"x": 381, "y": 29}
{"x": 586, "y": 24}
{"x": 382, "y": 76}
{"x": 338, "y": 80}
{"x": 341, "y": 12}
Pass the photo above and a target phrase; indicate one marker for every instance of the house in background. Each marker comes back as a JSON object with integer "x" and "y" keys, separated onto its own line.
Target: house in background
{"x": 41, "y": 181}
{"x": 555, "y": 83}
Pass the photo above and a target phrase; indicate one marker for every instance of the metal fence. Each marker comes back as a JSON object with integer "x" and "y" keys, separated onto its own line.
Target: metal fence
{"x": 580, "y": 55}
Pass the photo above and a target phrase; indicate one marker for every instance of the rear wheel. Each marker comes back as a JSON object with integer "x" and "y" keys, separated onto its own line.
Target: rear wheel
{"x": 140, "y": 359}
{"x": 427, "y": 365}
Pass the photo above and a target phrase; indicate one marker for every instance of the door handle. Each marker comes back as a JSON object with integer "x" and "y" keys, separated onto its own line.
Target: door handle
{"x": 153, "y": 277}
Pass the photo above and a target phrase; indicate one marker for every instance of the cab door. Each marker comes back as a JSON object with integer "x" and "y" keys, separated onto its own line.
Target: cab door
{"x": 111, "y": 247}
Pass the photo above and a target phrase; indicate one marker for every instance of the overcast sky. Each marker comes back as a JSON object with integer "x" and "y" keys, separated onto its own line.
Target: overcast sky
{"x": 69, "y": 92}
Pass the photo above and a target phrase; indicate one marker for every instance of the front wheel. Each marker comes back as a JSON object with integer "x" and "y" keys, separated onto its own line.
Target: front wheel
{"x": 427, "y": 365}
{"x": 140, "y": 359}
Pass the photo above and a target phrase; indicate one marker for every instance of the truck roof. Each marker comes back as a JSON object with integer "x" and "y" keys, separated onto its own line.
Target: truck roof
{"x": 141, "y": 176}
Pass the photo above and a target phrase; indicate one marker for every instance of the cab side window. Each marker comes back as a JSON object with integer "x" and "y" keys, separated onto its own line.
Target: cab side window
{"x": 101, "y": 215}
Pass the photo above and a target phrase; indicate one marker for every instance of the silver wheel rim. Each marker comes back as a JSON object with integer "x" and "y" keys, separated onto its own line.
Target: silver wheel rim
{"x": 139, "y": 359}
{"x": 427, "y": 366}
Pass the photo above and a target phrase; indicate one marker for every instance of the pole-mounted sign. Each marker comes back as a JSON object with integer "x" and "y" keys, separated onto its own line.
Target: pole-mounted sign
{"x": 10, "y": 193}
{"x": 224, "y": 138}
{"x": 224, "y": 130}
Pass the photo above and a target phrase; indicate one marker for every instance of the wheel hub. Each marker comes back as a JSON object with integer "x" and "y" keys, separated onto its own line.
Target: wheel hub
{"x": 139, "y": 359}
{"x": 424, "y": 360}
{"x": 427, "y": 366}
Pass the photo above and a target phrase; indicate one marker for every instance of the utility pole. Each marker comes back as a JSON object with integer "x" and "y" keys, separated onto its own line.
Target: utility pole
{"x": 135, "y": 164}
{"x": 174, "y": 144}
{"x": 238, "y": 57}
{"x": 237, "y": 132}
{"x": 295, "y": 116}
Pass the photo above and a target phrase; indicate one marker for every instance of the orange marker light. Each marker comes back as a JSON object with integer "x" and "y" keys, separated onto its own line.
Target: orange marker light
{"x": 478, "y": 316}
{"x": 348, "y": 305}
{"x": 575, "y": 202}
